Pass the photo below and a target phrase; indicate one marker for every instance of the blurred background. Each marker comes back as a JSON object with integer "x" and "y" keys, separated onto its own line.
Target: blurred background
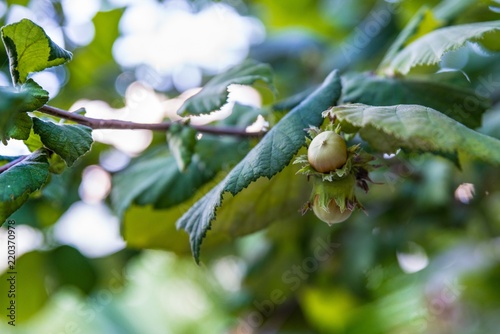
{"x": 424, "y": 259}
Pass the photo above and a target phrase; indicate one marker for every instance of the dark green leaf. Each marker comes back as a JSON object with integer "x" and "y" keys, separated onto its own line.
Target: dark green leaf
{"x": 417, "y": 128}
{"x": 30, "y": 50}
{"x": 181, "y": 142}
{"x": 9, "y": 105}
{"x": 292, "y": 101}
{"x": 70, "y": 141}
{"x": 20, "y": 180}
{"x": 155, "y": 179}
{"x": 14, "y": 123}
{"x": 214, "y": 93}
{"x": 264, "y": 202}
{"x": 463, "y": 105}
{"x": 36, "y": 95}
{"x": 21, "y": 127}
{"x": 268, "y": 157}
{"x": 429, "y": 49}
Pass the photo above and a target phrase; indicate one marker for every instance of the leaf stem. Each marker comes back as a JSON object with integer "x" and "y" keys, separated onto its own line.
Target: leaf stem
{"x": 96, "y": 123}
{"x": 12, "y": 163}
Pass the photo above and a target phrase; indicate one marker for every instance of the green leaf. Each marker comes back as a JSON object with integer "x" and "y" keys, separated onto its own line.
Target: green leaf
{"x": 20, "y": 180}
{"x": 57, "y": 164}
{"x": 30, "y": 50}
{"x": 154, "y": 177}
{"x": 410, "y": 31}
{"x": 33, "y": 142}
{"x": 417, "y": 128}
{"x": 181, "y": 142}
{"x": 36, "y": 95}
{"x": 264, "y": 202}
{"x": 428, "y": 23}
{"x": 429, "y": 49}
{"x": 70, "y": 268}
{"x": 243, "y": 115}
{"x": 70, "y": 141}
{"x": 214, "y": 94}
{"x": 267, "y": 158}
{"x": 18, "y": 2}
{"x": 21, "y": 127}
{"x": 461, "y": 104}
{"x": 14, "y": 123}
{"x": 10, "y": 102}
{"x": 148, "y": 227}
{"x": 31, "y": 288}
{"x": 292, "y": 101}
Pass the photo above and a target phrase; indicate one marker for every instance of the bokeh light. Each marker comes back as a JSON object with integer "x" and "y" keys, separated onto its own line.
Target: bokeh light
{"x": 91, "y": 228}
{"x": 182, "y": 44}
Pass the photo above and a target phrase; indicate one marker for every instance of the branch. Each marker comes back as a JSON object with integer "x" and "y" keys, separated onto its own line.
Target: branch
{"x": 96, "y": 123}
{"x": 12, "y": 163}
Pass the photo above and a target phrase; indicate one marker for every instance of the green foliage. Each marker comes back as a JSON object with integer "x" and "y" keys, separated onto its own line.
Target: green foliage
{"x": 450, "y": 9}
{"x": 262, "y": 203}
{"x": 429, "y": 49}
{"x": 296, "y": 274}
{"x": 181, "y": 142}
{"x": 17, "y": 2}
{"x": 462, "y": 104}
{"x": 416, "y": 128}
{"x": 30, "y": 293}
{"x": 62, "y": 266}
{"x": 214, "y": 93}
{"x": 9, "y": 115}
{"x": 154, "y": 178}
{"x": 14, "y": 123}
{"x": 267, "y": 158}
{"x": 71, "y": 268}
{"x": 68, "y": 140}
{"x": 26, "y": 175}
{"x": 36, "y": 96}
{"x": 30, "y": 50}
{"x": 411, "y": 31}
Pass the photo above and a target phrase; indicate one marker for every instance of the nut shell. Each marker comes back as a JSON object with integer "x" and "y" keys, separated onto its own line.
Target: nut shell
{"x": 333, "y": 215}
{"x": 327, "y": 152}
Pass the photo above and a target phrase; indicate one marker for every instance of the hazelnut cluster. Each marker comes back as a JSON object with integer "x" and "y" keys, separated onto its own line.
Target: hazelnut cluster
{"x": 335, "y": 170}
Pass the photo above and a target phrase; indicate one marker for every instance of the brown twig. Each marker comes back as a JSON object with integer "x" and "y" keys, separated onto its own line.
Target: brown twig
{"x": 95, "y": 123}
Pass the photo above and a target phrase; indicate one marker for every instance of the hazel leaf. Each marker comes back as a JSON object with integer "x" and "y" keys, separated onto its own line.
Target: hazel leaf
{"x": 266, "y": 159}
{"x": 30, "y": 50}
{"x": 416, "y": 128}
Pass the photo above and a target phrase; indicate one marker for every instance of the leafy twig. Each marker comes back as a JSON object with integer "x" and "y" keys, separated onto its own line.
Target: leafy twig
{"x": 96, "y": 123}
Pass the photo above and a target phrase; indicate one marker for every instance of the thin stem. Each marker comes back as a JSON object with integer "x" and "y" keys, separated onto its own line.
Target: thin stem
{"x": 96, "y": 123}
{"x": 12, "y": 163}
